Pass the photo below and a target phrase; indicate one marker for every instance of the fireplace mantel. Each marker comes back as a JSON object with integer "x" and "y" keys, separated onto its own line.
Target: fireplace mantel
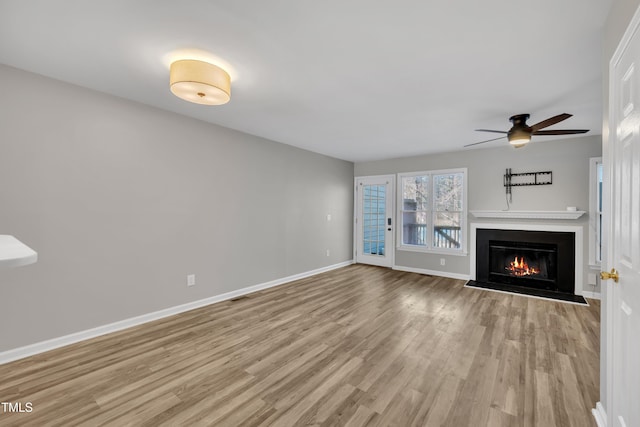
{"x": 529, "y": 214}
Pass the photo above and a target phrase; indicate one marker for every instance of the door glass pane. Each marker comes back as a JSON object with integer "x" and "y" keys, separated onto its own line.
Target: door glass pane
{"x": 374, "y": 219}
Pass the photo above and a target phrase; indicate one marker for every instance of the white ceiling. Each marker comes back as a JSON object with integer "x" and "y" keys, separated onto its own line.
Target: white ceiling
{"x": 354, "y": 79}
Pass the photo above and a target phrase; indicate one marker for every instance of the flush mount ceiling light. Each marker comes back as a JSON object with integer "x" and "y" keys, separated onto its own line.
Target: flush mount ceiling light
{"x": 200, "y": 82}
{"x": 519, "y": 135}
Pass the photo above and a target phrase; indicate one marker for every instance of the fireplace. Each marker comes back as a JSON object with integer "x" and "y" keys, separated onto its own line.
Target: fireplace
{"x": 542, "y": 260}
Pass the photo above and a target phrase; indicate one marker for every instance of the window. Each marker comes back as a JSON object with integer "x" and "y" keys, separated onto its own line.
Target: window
{"x": 432, "y": 211}
{"x": 596, "y": 170}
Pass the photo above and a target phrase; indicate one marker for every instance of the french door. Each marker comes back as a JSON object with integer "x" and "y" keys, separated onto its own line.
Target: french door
{"x": 622, "y": 292}
{"x": 374, "y": 222}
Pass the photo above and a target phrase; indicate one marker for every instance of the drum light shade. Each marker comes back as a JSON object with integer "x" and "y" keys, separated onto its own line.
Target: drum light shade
{"x": 200, "y": 82}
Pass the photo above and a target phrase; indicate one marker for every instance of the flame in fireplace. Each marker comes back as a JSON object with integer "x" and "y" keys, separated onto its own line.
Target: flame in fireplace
{"x": 518, "y": 267}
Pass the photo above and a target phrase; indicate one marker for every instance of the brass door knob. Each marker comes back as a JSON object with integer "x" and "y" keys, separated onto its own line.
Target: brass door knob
{"x": 613, "y": 275}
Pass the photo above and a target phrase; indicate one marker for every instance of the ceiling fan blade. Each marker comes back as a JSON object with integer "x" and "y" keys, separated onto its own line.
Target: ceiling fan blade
{"x": 550, "y": 121}
{"x": 482, "y": 142}
{"x": 560, "y": 132}
{"x": 491, "y": 130}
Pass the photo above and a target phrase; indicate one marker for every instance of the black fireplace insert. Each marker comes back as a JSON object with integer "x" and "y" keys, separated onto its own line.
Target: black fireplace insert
{"x": 543, "y": 260}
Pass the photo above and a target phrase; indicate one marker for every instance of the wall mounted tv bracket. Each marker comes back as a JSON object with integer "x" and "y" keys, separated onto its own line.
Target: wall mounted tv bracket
{"x": 525, "y": 178}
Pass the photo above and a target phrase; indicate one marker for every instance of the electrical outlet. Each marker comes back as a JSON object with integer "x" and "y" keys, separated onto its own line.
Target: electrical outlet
{"x": 592, "y": 279}
{"x": 442, "y": 261}
{"x": 191, "y": 280}
{"x": 328, "y": 217}
{"x": 328, "y": 252}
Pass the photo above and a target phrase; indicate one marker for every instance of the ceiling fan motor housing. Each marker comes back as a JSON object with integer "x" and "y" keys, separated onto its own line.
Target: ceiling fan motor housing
{"x": 520, "y": 133}
{"x": 519, "y": 119}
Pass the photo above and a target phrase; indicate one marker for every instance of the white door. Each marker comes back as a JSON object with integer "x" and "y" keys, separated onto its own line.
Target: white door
{"x": 374, "y": 220}
{"x": 623, "y": 253}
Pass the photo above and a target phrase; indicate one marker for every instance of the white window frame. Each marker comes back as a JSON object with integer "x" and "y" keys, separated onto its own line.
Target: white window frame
{"x": 594, "y": 213}
{"x": 462, "y": 250}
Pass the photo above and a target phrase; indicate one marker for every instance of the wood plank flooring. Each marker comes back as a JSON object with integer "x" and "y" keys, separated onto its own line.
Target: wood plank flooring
{"x": 356, "y": 346}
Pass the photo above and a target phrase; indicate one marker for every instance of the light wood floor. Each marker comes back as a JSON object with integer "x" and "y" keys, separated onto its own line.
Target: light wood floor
{"x": 356, "y": 346}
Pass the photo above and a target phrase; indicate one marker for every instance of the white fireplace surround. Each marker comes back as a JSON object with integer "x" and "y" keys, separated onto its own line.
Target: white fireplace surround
{"x": 577, "y": 230}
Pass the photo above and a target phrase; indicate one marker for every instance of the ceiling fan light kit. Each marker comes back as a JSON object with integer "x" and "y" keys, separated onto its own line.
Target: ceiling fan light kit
{"x": 520, "y": 133}
{"x": 200, "y": 82}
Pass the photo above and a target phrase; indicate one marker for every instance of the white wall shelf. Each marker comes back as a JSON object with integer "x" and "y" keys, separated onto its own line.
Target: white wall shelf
{"x": 529, "y": 214}
{"x": 14, "y": 253}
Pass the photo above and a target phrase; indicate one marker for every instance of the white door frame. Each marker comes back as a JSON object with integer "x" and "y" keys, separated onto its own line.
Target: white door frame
{"x": 390, "y": 235}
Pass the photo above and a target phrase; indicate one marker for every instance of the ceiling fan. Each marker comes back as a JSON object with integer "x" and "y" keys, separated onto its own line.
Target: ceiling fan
{"x": 520, "y": 133}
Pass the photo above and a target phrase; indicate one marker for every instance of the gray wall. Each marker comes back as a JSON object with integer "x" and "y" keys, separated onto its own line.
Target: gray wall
{"x": 568, "y": 159}
{"x": 619, "y": 18}
{"x": 121, "y": 201}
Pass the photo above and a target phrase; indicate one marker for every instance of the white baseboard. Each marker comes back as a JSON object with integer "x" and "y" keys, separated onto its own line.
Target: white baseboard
{"x": 600, "y": 415}
{"x": 593, "y": 295}
{"x": 432, "y": 272}
{"x": 41, "y": 347}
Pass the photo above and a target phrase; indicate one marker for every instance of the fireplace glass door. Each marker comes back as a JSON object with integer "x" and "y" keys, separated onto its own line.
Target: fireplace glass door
{"x": 524, "y": 264}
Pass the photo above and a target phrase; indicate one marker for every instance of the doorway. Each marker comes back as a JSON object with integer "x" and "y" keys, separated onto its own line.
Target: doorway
{"x": 374, "y": 220}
